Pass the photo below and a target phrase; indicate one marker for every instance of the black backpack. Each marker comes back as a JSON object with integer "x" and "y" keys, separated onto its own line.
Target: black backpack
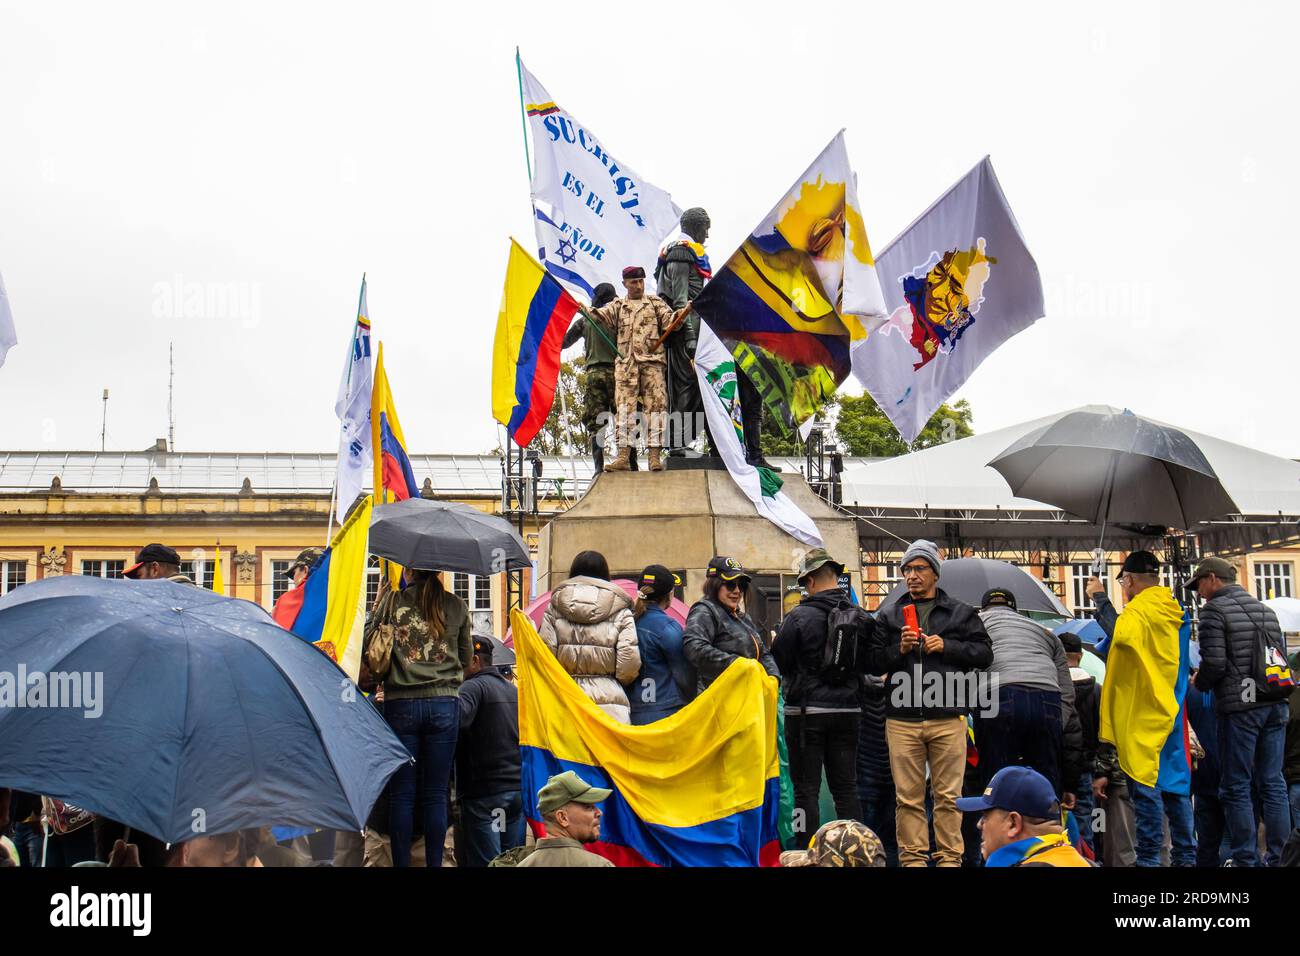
{"x": 1269, "y": 668}
{"x": 844, "y": 656}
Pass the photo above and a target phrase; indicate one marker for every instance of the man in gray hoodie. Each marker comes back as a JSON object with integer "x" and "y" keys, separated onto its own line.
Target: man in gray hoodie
{"x": 1035, "y": 723}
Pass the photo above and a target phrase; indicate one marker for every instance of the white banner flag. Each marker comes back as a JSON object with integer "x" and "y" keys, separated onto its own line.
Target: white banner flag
{"x": 353, "y": 410}
{"x": 958, "y": 283}
{"x": 594, "y": 214}
{"x": 8, "y": 334}
{"x": 716, "y": 368}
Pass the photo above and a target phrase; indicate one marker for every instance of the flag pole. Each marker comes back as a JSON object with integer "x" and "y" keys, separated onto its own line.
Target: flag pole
{"x": 329, "y": 530}
{"x": 523, "y": 117}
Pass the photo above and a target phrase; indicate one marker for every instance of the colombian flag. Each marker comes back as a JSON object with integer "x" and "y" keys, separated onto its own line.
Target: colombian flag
{"x": 1143, "y": 701}
{"x": 699, "y": 788}
{"x": 328, "y": 608}
{"x": 394, "y": 478}
{"x": 535, "y": 313}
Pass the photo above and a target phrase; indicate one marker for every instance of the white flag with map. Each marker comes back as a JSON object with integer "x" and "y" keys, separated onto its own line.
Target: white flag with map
{"x": 8, "y": 334}
{"x": 716, "y": 368}
{"x": 594, "y": 214}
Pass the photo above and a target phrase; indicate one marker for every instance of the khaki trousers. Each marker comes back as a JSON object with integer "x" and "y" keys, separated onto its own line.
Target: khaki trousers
{"x": 913, "y": 744}
{"x": 379, "y": 850}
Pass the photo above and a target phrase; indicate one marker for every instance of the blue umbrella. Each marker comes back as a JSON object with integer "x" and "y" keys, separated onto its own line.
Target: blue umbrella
{"x": 1088, "y": 630}
{"x": 177, "y": 711}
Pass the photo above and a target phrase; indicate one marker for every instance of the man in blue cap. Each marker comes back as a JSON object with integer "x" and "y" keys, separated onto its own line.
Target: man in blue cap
{"x": 1021, "y": 822}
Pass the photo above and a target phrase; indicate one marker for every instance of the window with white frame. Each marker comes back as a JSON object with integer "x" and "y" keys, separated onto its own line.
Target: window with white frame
{"x": 209, "y": 572}
{"x": 374, "y": 575}
{"x": 1080, "y": 575}
{"x": 12, "y": 574}
{"x": 474, "y": 589}
{"x": 1272, "y": 579}
{"x": 279, "y": 582}
{"x": 102, "y": 569}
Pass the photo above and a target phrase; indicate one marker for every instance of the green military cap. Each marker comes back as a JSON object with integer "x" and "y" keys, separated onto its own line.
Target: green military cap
{"x": 815, "y": 559}
{"x": 1220, "y": 568}
{"x": 306, "y": 558}
{"x": 568, "y": 787}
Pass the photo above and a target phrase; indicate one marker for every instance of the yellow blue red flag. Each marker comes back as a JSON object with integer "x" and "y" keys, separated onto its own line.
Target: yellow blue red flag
{"x": 699, "y": 788}
{"x": 1143, "y": 710}
{"x": 535, "y": 313}
{"x": 798, "y": 292}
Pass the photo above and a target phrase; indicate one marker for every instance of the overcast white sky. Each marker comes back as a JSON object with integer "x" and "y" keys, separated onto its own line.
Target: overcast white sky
{"x": 279, "y": 150}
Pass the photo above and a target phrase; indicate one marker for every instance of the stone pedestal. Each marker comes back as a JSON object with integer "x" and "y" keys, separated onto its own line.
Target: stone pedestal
{"x": 681, "y": 519}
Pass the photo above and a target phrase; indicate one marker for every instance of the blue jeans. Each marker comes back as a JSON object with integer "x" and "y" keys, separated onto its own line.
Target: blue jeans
{"x": 1026, "y": 732}
{"x": 878, "y": 804}
{"x": 1294, "y": 792}
{"x": 1251, "y": 744}
{"x": 1150, "y": 808}
{"x": 427, "y": 727}
{"x": 1083, "y": 805}
{"x": 1209, "y": 829}
{"x": 27, "y": 838}
{"x": 491, "y": 825}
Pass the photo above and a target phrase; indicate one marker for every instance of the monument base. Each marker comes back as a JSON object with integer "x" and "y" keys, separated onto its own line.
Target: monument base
{"x": 681, "y": 518}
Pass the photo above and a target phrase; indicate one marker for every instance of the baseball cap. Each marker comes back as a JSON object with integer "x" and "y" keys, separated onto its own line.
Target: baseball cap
{"x": 149, "y": 553}
{"x": 1221, "y": 569}
{"x": 839, "y": 843}
{"x": 1021, "y": 790}
{"x": 1071, "y": 642}
{"x": 306, "y": 558}
{"x": 998, "y": 597}
{"x": 728, "y": 569}
{"x": 815, "y": 559}
{"x": 658, "y": 580}
{"x": 1139, "y": 562}
{"x": 568, "y": 787}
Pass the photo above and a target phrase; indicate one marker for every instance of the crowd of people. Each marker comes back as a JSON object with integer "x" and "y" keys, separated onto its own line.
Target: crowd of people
{"x": 947, "y": 734}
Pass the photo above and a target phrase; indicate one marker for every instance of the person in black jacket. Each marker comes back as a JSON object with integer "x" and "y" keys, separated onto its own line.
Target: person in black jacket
{"x": 875, "y": 781}
{"x": 1087, "y": 705}
{"x": 821, "y": 705}
{"x": 932, "y": 681}
{"x": 717, "y": 630}
{"x": 1251, "y": 724}
{"x": 487, "y": 759}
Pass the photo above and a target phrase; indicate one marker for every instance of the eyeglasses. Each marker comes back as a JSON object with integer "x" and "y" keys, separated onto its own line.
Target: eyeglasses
{"x": 915, "y": 569}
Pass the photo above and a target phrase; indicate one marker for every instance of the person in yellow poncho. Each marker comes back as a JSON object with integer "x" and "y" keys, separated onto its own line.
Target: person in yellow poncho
{"x": 1142, "y": 711}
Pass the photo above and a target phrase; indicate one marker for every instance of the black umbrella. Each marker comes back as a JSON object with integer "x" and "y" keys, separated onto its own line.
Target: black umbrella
{"x": 445, "y": 536}
{"x": 966, "y": 579}
{"x": 1117, "y": 469}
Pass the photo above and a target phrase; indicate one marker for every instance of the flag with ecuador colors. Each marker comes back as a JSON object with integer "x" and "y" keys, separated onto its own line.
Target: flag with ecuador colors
{"x": 699, "y": 788}
{"x": 328, "y": 608}
{"x": 535, "y": 314}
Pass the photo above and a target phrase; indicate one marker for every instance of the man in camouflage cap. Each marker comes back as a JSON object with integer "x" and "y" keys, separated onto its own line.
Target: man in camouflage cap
{"x": 839, "y": 843}
{"x": 297, "y": 572}
{"x": 568, "y": 805}
{"x": 639, "y": 322}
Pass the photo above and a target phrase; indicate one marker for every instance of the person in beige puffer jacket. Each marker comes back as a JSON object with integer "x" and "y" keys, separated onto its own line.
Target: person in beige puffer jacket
{"x": 590, "y": 628}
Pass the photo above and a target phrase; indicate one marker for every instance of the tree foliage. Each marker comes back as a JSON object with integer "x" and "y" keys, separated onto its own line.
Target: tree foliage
{"x": 563, "y": 434}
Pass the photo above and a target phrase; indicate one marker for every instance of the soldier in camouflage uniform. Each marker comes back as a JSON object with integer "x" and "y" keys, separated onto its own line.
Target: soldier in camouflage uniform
{"x": 639, "y": 376}
{"x": 598, "y": 368}
{"x": 839, "y": 843}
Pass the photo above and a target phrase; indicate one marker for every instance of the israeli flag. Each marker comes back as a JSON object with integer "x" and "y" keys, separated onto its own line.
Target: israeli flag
{"x": 8, "y": 335}
{"x": 355, "y": 462}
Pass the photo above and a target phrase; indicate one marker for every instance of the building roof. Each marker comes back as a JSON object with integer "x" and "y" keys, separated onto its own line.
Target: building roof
{"x": 270, "y": 472}
{"x": 956, "y": 475}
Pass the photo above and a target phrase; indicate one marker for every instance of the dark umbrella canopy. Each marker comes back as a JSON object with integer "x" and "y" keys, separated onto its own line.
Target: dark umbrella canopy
{"x": 445, "y": 536}
{"x": 190, "y": 712}
{"x": 966, "y": 579}
{"x": 1116, "y": 469}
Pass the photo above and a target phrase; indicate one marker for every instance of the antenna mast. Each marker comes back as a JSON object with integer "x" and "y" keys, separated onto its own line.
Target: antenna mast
{"x": 103, "y": 428}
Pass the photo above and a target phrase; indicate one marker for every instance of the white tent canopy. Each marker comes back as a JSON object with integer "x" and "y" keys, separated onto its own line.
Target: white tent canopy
{"x": 954, "y": 479}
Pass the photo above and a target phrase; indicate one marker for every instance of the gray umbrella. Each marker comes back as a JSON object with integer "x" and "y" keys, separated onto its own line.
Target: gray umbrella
{"x": 966, "y": 579}
{"x": 445, "y": 536}
{"x": 1117, "y": 469}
